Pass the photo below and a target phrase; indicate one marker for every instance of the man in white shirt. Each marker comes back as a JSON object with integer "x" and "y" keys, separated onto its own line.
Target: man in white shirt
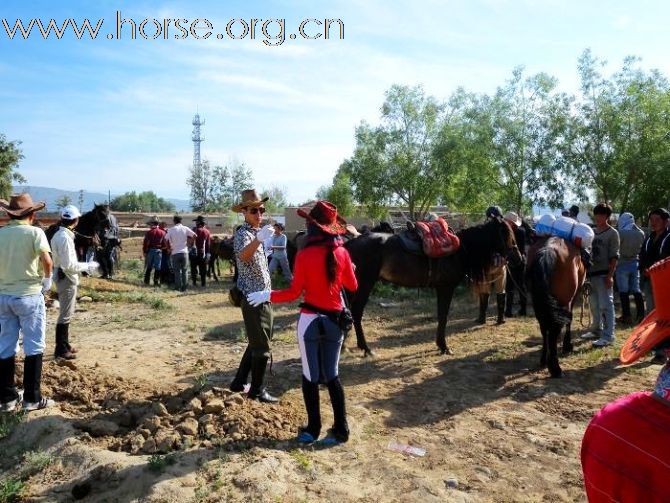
{"x": 66, "y": 276}
{"x": 180, "y": 238}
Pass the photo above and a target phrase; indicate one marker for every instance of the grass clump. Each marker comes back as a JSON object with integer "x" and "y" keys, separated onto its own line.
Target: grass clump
{"x": 11, "y": 490}
{"x": 301, "y": 458}
{"x": 158, "y": 462}
{"x": 34, "y": 462}
{"x": 8, "y": 422}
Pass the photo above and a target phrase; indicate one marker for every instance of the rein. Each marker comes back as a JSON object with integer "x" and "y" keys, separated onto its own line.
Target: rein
{"x": 82, "y": 235}
{"x": 586, "y": 301}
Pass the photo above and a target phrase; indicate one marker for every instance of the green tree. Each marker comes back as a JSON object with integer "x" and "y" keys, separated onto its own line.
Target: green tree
{"x": 10, "y": 156}
{"x": 618, "y": 144}
{"x": 528, "y": 118}
{"x": 339, "y": 192}
{"x": 277, "y": 201}
{"x": 80, "y": 200}
{"x": 215, "y": 189}
{"x": 63, "y": 201}
{"x": 396, "y": 162}
{"x": 142, "y": 202}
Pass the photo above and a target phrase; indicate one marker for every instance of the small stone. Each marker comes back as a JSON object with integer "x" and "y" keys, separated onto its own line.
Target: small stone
{"x": 151, "y": 424}
{"x": 496, "y": 424}
{"x": 451, "y": 483}
{"x": 159, "y": 409}
{"x": 195, "y": 405}
{"x": 144, "y": 432}
{"x": 237, "y": 398}
{"x": 136, "y": 443}
{"x": 166, "y": 440}
{"x": 149, "y": 446}
{"x": 214, "y": 406}
{"x": 85, "y": 298}
{"x": 188, "y": 427}
{"x": 209, "y": 430}
{"x": 237, "y": 436}
{"x": 484, "y": 471}
{"x": 206, "y": 419}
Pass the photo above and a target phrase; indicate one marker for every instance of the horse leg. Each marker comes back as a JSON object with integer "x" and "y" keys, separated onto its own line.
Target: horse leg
{"x": 543, "y": 354}
{"x": 552, "y": 350}
{"x": 357, "y": 306}
{"x": 444, "y": 296}
{"x": 567, "y": 338}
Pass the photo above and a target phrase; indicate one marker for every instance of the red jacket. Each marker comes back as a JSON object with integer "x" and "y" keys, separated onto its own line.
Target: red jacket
{"x": 202, "y": 240}
{"x": 310, "y": 277}
{"x": 153, "y": 239}
{"x": 626, "y": 451}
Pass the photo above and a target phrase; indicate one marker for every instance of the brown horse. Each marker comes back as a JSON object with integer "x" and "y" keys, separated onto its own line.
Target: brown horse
{"x": 556, "y": 271}
{"x": 380, "y": 256}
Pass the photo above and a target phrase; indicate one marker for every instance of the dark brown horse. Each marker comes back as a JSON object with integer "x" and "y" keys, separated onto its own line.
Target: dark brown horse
{"x": 86, "y": 231}
{"x": 555, "y": 272}
{"x": 220, "y": 249}
{"x": 384, "y": 256}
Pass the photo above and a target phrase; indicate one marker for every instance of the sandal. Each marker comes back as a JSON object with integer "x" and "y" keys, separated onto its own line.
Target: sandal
{"x": 42, "y": 404}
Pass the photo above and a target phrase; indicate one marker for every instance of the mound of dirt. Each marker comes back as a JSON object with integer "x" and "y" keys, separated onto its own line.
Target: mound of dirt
{"x": 124, "y": 416}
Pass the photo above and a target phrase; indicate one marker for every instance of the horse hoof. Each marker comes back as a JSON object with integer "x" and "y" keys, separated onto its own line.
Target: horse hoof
{"x": 556, "y": 375}
{"x": 369, "y": 353}
{"x": 568, "y": 350}
{"x": 446, "y": 351}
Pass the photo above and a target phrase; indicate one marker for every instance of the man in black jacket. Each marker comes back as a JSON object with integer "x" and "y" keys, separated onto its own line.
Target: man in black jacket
{"x": 654, "y": 248}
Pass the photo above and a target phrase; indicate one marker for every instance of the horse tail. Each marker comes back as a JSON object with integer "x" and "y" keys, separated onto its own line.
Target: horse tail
{"x": 545, "y": 304}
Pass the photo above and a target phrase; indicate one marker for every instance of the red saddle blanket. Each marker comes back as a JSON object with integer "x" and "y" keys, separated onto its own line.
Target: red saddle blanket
{"x": 438, "y": 240}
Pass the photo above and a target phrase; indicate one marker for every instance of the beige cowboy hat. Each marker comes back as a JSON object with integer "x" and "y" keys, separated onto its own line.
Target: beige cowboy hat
{"x": 249, "y": 199}
{"x": 21, "y": 205}
{"x": 510, "y": 216}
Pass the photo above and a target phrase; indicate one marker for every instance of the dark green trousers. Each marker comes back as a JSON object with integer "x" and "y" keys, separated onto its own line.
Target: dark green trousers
{"x": 258, "y": 325}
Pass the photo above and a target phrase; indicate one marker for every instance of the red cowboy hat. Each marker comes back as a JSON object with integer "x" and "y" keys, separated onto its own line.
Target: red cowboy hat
{"x": 324, "y": 215}
{"x": 21, "y": 205}
{"x": 655, "y": 328}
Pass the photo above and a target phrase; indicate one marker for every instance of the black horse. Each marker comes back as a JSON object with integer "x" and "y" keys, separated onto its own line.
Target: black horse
{"x": 86, "y": 231}
{"x": 220, "y": 249}
{"x": 384, "y": 256}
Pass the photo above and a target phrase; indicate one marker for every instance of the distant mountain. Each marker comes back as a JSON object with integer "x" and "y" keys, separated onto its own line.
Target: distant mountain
{"x": 51, "y": 195}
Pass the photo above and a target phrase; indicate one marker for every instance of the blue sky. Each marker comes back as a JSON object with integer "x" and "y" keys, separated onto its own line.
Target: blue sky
{"x": 116, "y": 114}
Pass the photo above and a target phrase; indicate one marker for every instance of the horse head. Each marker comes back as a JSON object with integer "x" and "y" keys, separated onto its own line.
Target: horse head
{"x": 100, "y": 215}
{"x": 507, "y": 244}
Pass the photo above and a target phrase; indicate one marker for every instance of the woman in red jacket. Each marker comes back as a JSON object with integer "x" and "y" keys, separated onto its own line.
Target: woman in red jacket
{"x": 322, "y": 269}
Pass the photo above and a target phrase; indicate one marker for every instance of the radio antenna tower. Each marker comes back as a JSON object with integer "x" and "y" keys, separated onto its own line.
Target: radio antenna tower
{"x": 197, "y": 140}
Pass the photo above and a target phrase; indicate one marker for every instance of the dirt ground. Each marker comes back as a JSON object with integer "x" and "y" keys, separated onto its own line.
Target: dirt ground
{"x": 144, "y": 413}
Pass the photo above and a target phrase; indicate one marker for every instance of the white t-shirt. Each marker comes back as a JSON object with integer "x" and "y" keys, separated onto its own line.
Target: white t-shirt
{"x": 178, "y": 236}
{"x": 267, "y": 244}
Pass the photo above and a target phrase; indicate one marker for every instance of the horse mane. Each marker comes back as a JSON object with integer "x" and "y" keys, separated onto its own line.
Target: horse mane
{"x": 479, "y": 244}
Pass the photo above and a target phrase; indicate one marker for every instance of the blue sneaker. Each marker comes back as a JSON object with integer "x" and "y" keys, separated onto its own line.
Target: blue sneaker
{"x": 305, "y": 438}
{"x": 333, "y": 438}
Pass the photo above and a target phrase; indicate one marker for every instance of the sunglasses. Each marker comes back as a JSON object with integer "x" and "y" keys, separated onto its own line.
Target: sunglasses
{"x": 254, "y": 211}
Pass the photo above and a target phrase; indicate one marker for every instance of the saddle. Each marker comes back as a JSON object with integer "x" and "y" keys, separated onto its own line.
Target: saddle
{"x": 433, "y": 239}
